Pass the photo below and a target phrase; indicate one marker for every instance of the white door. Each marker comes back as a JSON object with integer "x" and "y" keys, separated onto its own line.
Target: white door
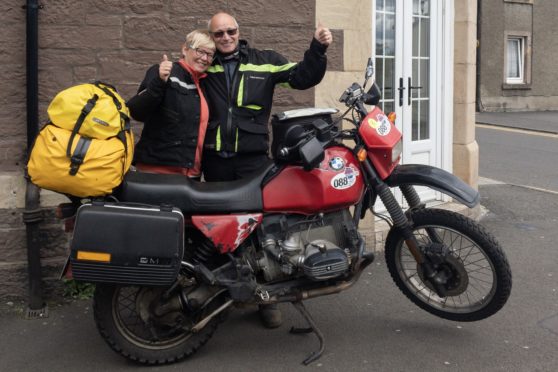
{"x": 413, "y": 62}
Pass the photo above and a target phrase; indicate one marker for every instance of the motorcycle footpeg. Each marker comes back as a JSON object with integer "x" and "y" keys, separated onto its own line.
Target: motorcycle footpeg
{"x": 205, "y": 274}
{"x": 369, "y": 256}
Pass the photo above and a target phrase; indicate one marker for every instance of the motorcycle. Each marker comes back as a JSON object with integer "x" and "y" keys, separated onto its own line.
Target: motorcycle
{"x": 169, "y": 256}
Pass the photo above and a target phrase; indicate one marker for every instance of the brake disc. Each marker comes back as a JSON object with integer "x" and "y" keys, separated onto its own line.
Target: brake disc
{"x": 452, "y": 267}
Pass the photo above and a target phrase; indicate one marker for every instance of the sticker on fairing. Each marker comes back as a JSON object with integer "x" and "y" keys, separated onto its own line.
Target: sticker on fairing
{"x": 345, "y": 179}
{"x": 384, "y": 126}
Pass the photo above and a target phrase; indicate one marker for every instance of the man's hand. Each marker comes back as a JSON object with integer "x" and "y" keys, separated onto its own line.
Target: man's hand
{"x": 165, "y": 68}
{"x": 323, "y": 35}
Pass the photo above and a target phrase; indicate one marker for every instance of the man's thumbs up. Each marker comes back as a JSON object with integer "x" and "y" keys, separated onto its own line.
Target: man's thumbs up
{"x": 165, "y": 68}
{"x": 323, "y": 34}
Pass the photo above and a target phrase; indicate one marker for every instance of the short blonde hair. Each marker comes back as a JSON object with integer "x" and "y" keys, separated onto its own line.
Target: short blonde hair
{"x": 199, "y": 38}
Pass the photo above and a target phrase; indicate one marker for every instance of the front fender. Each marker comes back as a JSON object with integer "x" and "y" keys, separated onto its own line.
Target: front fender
{"x": 435, "y": 178}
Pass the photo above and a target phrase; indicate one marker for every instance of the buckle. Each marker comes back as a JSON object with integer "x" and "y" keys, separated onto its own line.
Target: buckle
{"x": 75, "y": 162}
{"x": 87, "y": 108}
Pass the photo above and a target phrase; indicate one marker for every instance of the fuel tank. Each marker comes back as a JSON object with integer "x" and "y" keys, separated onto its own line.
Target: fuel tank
{"x": 336, "y": 183}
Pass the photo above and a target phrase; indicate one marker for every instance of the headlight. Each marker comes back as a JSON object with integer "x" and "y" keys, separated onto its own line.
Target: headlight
{"x": 396, "y": 151}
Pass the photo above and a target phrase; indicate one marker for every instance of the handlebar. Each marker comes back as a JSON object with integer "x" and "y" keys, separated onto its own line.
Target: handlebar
{"x": 351, "y": 94}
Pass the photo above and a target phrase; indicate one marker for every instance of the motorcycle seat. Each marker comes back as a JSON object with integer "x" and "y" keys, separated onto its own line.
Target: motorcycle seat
{"x": 194, "y": 197}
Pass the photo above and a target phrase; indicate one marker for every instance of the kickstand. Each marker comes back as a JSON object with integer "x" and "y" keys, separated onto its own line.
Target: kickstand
{"x": 313, "y": 328}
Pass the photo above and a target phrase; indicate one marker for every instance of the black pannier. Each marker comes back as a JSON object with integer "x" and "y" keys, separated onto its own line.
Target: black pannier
{"x": 286, "y": 125}
{"x": 127, "y": 244}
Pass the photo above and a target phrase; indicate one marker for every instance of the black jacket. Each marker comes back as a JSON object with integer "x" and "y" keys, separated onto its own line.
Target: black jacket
{"x": 171, "y": 113}
{"x": 238, "y": 117}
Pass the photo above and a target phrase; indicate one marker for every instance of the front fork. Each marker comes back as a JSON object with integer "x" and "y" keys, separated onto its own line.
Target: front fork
{"x": 404, "y": 224}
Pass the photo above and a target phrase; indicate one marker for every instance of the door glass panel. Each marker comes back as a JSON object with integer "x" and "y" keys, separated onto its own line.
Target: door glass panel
{"x": 389, "y": 79}
{"x": 420, "y": 79}
{"x": 424, "y": 79}
{"x": 421, "y": 7}
{"x": 380, "y": 34}
{"x": 424, "y": 118}
{"x": 416, "y": 31}
{"x": 414, "y": 80}
{"x": 424, "y": 37}
{"x": 415, "y": 122}
{"x": 388, "y": 107}
{"x": 380, "y": 76}
{"x": 385, "y": 51}
{"x": 390, "y": 34}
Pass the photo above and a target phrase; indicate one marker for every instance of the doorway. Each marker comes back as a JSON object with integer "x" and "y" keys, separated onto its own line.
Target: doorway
{"x": 414, "y": 68}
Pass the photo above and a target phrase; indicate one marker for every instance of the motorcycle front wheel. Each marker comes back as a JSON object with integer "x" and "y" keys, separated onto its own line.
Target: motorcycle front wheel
{"x": 138, "y": 324}
{"x": 478, "y": 274}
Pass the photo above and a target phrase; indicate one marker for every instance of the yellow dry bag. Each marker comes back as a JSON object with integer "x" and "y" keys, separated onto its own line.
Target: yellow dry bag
{"x": 88, "y": 145}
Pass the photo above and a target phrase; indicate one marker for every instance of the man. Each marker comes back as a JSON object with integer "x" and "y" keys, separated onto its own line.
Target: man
{"x": 239, "y": 88}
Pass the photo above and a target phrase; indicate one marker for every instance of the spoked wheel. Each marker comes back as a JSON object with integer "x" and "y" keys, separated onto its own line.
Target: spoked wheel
{"x": 137, "y": 323}
{"x": 475, "y": 272}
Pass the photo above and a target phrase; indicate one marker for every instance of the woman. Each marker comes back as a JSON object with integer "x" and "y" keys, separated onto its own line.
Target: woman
{"x": 172, "y": 105}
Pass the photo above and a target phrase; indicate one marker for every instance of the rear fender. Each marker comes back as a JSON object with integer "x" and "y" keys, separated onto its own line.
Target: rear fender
{"x": 435, "y": 178}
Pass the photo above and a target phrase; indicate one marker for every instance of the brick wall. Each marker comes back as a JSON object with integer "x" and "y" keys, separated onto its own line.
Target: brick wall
{"x": 114, "y": 41}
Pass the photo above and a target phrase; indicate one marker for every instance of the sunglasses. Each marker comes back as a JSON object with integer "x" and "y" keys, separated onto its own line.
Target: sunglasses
{"x": 220, "y": 34}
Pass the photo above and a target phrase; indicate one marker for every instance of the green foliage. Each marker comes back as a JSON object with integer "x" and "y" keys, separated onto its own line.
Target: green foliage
{"x": 78, "y": 290}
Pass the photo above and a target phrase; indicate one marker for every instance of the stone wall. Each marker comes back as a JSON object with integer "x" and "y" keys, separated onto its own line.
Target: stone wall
{"x": 113, "y": 41}
{"x": 532, "y": 20}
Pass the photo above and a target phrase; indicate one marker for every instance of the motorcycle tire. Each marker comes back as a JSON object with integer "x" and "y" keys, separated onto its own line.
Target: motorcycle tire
{"x": 118, "y": 314}
{"x": 479, "y": 274}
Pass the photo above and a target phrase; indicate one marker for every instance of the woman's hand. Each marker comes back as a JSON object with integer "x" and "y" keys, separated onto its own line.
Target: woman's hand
{"x": 165, "y": 68}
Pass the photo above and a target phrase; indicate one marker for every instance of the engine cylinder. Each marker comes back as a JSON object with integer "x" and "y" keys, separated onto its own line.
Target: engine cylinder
{"x": 324, "y": 260}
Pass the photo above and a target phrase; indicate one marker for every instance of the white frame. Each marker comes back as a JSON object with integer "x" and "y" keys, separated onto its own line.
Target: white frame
{"x": 440, "y": 142}
{"x": 520, "y": 49}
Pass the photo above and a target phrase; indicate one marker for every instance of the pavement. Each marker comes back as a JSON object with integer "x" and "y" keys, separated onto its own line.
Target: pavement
{"x": 540, "y": 121}
{"x": 378, "y": 330}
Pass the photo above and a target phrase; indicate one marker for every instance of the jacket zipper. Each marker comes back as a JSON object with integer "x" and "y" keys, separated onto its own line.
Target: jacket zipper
{"x": 228, "y": 130}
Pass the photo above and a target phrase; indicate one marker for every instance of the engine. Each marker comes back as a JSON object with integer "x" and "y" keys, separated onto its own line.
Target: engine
{"x": 319, "y": 247}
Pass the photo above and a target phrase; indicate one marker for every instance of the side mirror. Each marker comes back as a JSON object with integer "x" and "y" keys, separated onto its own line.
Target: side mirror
{"x": 369, "y": 70}
{"x": 373, "y": 96}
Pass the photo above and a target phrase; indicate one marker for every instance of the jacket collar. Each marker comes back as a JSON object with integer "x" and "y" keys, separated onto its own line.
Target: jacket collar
{"x": 241, "y": 51}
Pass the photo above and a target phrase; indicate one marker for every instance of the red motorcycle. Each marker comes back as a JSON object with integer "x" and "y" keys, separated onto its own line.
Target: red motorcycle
{"x": 169, "y": 255}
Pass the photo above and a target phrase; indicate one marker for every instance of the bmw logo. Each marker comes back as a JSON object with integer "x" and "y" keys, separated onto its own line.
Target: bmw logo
{"x": 337, "y": 163}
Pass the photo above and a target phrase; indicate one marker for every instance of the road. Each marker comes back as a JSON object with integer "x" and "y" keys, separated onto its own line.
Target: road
{"x": 518, "y": 157}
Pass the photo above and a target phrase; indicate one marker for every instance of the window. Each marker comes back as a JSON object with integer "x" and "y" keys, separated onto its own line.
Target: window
{"x": 517, "y": 60}
{"x": 515, "y": 70}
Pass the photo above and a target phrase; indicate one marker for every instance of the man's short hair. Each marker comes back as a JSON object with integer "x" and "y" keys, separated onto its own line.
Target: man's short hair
{"x": 209, "y": 22}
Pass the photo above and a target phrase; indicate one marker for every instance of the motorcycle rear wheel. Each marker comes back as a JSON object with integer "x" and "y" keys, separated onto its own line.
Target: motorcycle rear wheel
{"x": 120, "y": 316}
{"x": 481, "y": 276}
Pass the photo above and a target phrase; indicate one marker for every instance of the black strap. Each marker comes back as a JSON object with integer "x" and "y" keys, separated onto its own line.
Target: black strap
{"x": 99, "y": 82}
{"x": 84, "y": 112}
{"x": 125, "y": 118}
{"x": 79, "y": 154}
{"x": 109, "y": 93}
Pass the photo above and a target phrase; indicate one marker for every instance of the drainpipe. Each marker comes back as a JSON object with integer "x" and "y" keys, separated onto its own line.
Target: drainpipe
{"x": 32, "y": 215}
{"x": 479, "y": 106}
